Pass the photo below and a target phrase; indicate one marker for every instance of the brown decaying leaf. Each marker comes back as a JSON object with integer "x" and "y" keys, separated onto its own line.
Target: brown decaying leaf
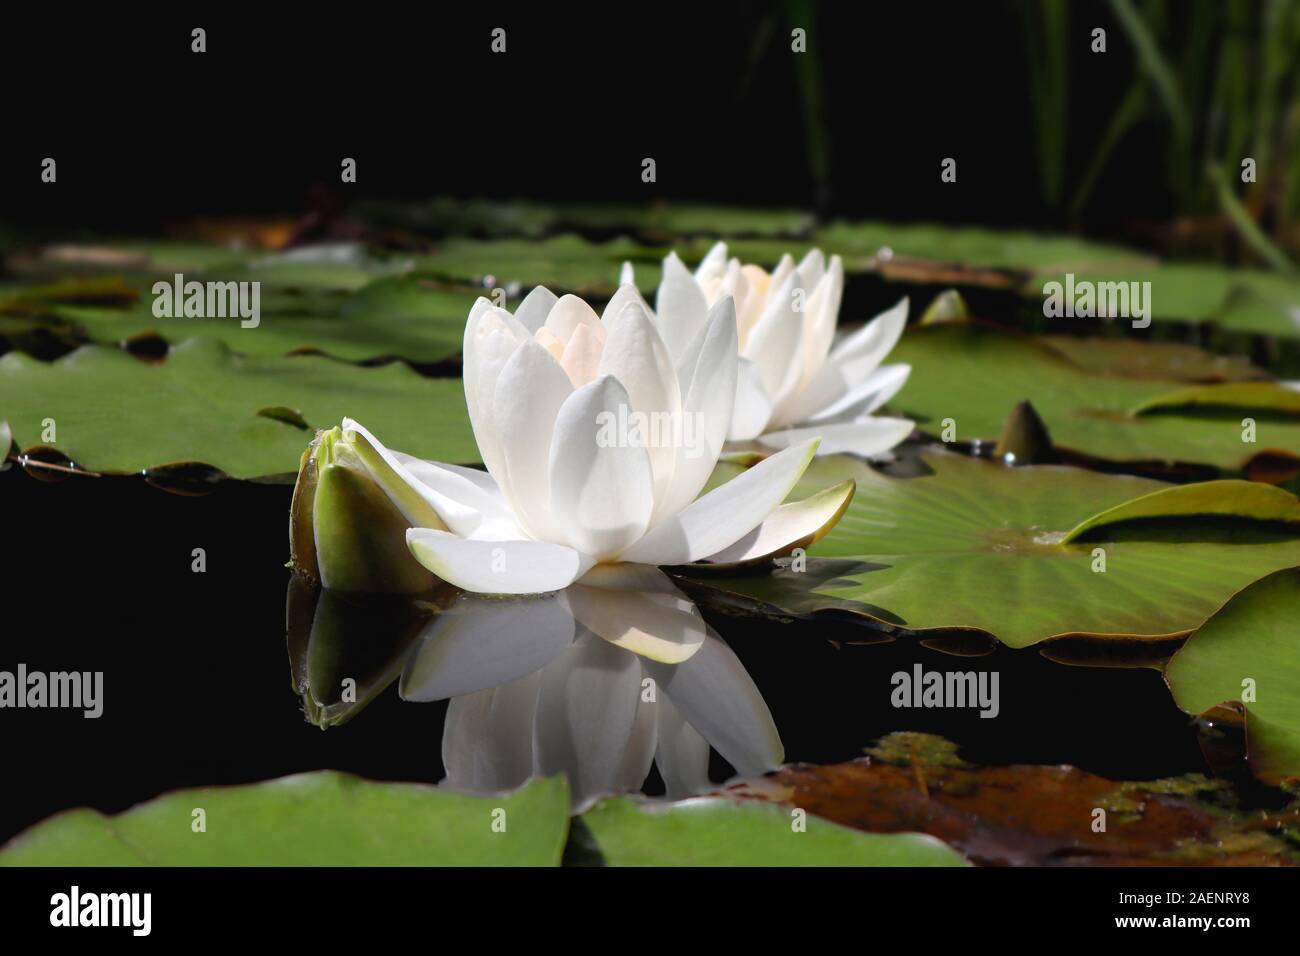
{"x": 1032, "y": 815}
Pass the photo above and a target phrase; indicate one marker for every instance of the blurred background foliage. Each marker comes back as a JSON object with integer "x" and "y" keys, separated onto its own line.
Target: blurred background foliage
{"x": 1217, "y": 82}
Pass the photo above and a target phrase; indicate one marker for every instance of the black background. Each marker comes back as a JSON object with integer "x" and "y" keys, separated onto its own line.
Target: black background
{"x": 145, "y": 131}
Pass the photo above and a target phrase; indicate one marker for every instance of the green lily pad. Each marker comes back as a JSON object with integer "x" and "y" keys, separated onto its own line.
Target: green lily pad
{"x": 564, "y": 263}
{"x": 1163, "y": 361}
{"x": 312, "y": 819}
{"x": 1239, "y": 300}
{"x": 720, "y": 832}
{"x": 975, "y": 375}
{"x": 1248, "y": 654}
{"x": 1015, "y": 253}
{"x": 114, "y": 413}
{"x": 395, "y": 316}
{"x": 980, "y": 545}
{"x": 405, "y": 316}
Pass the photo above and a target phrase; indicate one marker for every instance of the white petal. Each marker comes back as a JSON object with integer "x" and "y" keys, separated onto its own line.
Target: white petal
{"x": 782, "y": 272}
{"x": 625, "y": 275}
{"x": 497, "y": 567}
{"x": 626, "y": 294}
{"x": 812, "y": 266}
{"x": 480, "y": 643}
{"x": 531, "y": 390}
{"x": 680, "y": 307}
{"x": 491, "y": 337}
{"x": 581, "y": 357}
{"x": 601, "y": 485}
{"x": 537, "y": 305}
{"x": 641, "y": 745}
{"x": 794, "y": 525}
{"x": 708, "y": 398}
{"x": 868, "y": 436}
{"x": 717, "y": 697}
{"x": 866, "y": 348}
{"x": 469, "y": 502}
{"x": 776, "y": 343}
{"x": 753, "y": 406}
{"x": 712, "y": 267}
{"x": 682, "y": 753}
{"x": 568, "y": 313}
{"x": 870, "y": 394}
{"x": 586, "y": 712}
{"x": 821, "y": 313}
{"x": 487, "y": 738}
{"x": 726, "y": 514}
{"x": 636, "y": 355}
{"x": 658, "y": 626}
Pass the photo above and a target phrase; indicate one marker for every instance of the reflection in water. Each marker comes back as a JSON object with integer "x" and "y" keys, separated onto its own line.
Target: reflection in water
{"x": 598, "y": 681}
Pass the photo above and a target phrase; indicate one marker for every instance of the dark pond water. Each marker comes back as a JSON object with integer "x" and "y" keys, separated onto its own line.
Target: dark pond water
{"x": 200, "y": 688}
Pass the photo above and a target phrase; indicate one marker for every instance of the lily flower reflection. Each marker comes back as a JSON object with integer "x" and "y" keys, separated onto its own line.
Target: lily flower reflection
{"x": 598, "y": 681}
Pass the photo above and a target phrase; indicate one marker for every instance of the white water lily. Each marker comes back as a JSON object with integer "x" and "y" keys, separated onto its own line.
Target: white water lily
{"x": 794, "y": 380}
{"x": 565, "y": 491}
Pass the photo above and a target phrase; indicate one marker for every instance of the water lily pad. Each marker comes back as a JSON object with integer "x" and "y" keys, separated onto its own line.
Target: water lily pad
{"x": 1163, "y": 361}
{"x": 564, "y": 263}
{"x": 406, "y": 317}
{"x": 1006, "y": 257}
{"x": 1248, "y": 653}
{"x": 312, "y": 819}
{"x": 115, "y": 413}
{"x": 719, "y": 832}
{"x": 975, "y": 375}
{"x": 1239, "y": 300}
{"x": 979, "y": 545}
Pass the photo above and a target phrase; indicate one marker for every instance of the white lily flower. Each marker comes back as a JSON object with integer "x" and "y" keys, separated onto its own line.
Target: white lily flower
{"x": 794, "y": 380}
{"x": 597, "y": 436}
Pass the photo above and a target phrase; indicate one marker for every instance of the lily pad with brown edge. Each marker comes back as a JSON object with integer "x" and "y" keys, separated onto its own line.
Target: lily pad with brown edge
{"x": 714, "y": 831}
{"x": 204, "y": 404}
{"x": 1025, "y": 815}
{"x": 1248, "y": 653}
{"x": 324, "y": 818}
{"x": 979, "y": 545}
{"x": 974, "y": 376}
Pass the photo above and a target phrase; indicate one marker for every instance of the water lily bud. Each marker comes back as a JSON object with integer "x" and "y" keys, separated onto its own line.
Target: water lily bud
{"x": 348, "y": 521}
